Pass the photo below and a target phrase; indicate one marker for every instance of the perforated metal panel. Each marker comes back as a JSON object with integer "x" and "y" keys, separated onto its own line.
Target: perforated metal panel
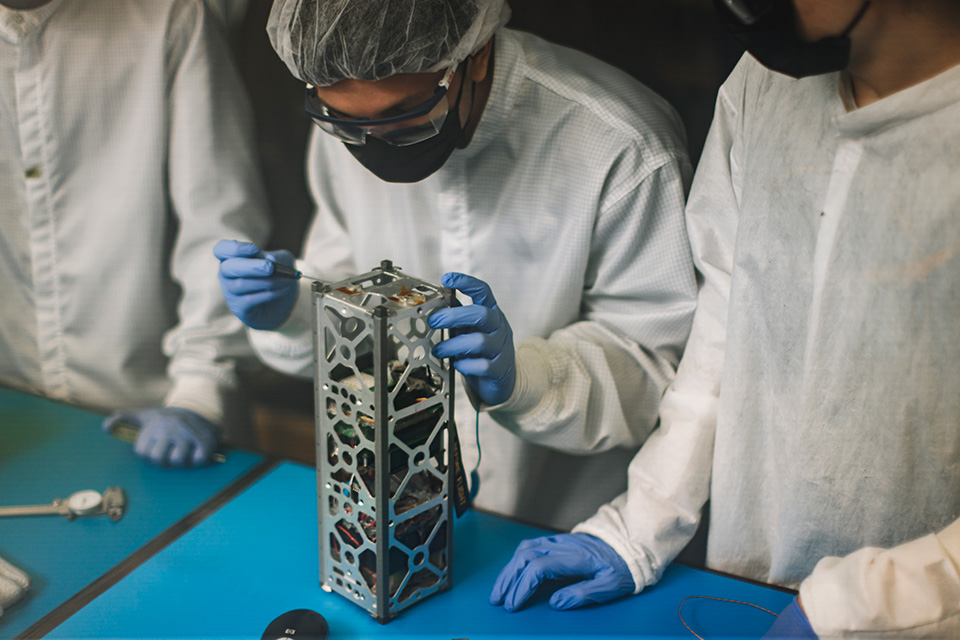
{"x": 382, "y": 396}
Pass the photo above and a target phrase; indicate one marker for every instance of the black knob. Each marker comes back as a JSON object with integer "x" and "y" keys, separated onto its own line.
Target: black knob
{"x": 299, "y": 624}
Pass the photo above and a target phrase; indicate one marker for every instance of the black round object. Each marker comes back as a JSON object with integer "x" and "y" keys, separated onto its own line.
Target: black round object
{"x": 299, "y": 624}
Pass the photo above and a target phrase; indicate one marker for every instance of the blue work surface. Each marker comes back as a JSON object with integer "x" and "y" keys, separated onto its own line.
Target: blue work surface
{"x": 257, "y": 558}
{"x": 47, "y": 451}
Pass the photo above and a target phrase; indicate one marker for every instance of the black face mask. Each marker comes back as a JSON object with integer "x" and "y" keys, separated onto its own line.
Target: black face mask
{"x": 774, "y": 39}
{"x": 417, "y": 161}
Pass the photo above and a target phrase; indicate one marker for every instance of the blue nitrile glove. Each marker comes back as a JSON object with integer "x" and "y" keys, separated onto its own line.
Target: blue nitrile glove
{"x": 169, "y": 435}
{"x": 482, "y": 347}
{"x": 566, "y": 555}
{"x": 791, "y": 623}
{"x": 256, "y": 295}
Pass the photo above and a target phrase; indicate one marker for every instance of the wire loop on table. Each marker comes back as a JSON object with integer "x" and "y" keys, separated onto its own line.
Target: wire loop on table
{"x": 749, "y": 604}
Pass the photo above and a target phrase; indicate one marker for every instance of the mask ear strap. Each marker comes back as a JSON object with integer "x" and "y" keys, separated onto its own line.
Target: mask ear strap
{"x": 856, "y": 20}
{"x": 463, "y": 81}
{"x": 473, "y": 95}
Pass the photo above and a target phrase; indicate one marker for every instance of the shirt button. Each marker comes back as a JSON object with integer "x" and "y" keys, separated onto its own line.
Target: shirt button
{"x": 18, "y": 18}
{"x": 32, "y": 172}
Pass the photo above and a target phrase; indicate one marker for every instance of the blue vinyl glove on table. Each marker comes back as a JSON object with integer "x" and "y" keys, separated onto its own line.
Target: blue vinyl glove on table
{"x": 169, "y": 436}
{"x": 482, "y": 345}
{"x": 791, "y": 623}
{"x": 255, "y": 293}
{"x": 563, "y": 556}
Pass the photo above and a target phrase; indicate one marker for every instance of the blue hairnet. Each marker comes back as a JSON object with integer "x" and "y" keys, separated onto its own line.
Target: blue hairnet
{"x": 325, "y": 41}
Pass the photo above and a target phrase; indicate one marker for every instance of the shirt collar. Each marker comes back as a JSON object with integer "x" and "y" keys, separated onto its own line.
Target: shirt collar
{"x": 913, "y": 102}
{"x": 507, "y": 65}
{"x": 16, "y": 25}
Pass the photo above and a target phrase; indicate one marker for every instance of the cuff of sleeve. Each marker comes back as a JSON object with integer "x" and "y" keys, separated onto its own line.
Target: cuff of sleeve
{"x": 639, "y": 567}
{"x": 13, "y": 584}
{"x": 912, "y": 589}
{"x": 808, "y": 591}
{"x": 198, "y": 394}
{"x": 534, "y": 376}
{"x": 299, "y": 320}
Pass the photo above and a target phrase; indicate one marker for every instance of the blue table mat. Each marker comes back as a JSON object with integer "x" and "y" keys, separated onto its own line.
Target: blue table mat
{"x": 256, "y": 558}
{"x": 47, "y": 451}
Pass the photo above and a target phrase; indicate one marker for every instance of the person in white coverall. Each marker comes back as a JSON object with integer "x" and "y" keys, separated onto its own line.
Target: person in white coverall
{"x": 126, "y": 152}
{"x": 556, "y": 179}
{"x": 817, "y": 401}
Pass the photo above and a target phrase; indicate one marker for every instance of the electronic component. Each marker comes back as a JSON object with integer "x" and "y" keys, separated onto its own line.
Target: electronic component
{"x": 384, "y": 416}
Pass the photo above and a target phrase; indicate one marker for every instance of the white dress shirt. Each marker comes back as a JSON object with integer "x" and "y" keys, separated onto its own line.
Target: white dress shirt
{"x": 568, "y": 201}
{"x": 820, "y": 384}
{"x": 125, "y": 153}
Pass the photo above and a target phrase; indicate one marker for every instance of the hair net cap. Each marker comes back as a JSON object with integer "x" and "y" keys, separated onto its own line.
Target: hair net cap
{"x": 325, "y": 41}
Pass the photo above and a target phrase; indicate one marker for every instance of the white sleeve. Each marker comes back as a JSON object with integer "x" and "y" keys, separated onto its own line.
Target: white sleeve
{"x": 909, "y": 591}
{"x": 13, "y": 584}
{"x": 216, "y": 192}
{"x": 597, "y": 383}
{"x": 327, "y": 255}
{"x": 668, "y": 480}
{"x": 289, "y": 348}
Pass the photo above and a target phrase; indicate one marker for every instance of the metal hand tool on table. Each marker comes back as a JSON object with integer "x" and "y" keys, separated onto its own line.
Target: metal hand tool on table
{"x": 112, "y": 503}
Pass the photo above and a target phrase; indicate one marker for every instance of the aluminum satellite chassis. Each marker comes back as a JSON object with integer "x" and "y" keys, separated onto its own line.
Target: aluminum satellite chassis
{"x": 383, "y": 523}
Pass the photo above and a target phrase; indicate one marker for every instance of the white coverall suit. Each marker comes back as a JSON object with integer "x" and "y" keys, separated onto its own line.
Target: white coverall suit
{"x": 126, "y": 152}
{"x": 568, "y": 202}
{"x": 819, "y": 396}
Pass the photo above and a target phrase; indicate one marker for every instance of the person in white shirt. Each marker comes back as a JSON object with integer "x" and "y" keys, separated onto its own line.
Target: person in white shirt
{"x": 554, "y": 180}
{"x": 817, "y": 400}
{"x": 126, "y": 151}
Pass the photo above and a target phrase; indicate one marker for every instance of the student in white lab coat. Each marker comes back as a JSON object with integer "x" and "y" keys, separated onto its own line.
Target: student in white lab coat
{"x": 126, "y": 151}
{"x": 817, "y": 401}
{"x": 555, "y": 178}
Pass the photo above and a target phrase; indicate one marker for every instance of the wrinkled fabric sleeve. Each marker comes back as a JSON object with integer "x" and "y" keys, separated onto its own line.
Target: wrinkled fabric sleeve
{"x": 216, "y": 192}
{"x": 909, "y": 591}
{"x": 14, "y": 582}
{"x": 597, "y": 383}
{"x": 668, "y": 479}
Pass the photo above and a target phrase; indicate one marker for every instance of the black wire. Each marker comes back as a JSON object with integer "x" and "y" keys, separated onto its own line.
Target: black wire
{"x": 475, "y": 474}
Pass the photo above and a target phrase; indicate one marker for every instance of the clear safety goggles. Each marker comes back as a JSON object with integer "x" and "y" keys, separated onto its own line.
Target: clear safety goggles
{"x": 748, "y": 11}
{"x": 402, "y": 130}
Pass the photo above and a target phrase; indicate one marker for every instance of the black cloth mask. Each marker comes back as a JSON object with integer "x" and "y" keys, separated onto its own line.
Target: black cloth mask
{"x": 415, "y": 162}
{"x": 774, "y": 39}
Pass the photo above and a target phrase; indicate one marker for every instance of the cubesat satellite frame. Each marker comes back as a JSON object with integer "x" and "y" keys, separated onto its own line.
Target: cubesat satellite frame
{"x": 384, "y": 427}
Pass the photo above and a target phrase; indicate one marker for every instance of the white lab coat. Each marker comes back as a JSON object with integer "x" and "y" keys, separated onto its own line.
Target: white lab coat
{"x": 568, "y": 202}
{"x": 126, "y": 152}
{"x": 820, "y": 383}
